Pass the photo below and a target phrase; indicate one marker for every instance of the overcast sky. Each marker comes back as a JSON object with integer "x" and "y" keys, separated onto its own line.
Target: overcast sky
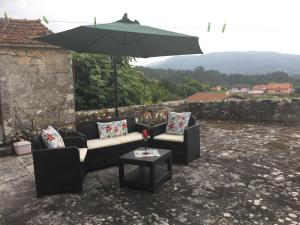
{"x": 252, "y": 25}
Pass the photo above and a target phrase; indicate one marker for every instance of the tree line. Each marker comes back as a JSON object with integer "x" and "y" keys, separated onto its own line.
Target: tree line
{"x": 214, "y": 77}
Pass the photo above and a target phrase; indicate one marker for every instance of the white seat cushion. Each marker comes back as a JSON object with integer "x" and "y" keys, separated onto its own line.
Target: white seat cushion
{"x": 97, "y": 143}
{"x": 169, "y": 137}
{"x": 82, "y": 154}
{"x": 130, "y": 137}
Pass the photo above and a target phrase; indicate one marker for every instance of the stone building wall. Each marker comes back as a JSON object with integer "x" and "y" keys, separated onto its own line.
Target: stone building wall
{"x": 36, "y": 89}
{"x": 284, "y": 110}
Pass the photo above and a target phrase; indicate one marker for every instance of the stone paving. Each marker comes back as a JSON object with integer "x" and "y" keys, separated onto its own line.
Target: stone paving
{"x": 247, "y": 174}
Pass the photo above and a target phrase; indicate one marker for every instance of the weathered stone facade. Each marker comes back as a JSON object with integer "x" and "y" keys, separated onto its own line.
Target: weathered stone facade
{"x": 282, "y": 110}
{"x": 36, "y": 89}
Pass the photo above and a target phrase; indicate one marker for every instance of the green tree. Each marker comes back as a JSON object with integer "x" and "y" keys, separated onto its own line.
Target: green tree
{"x": 94, "y": 87}
{"x": 93, "y": 83}
{"x": 190, "y": 86}
{"x": 213, "y": 77}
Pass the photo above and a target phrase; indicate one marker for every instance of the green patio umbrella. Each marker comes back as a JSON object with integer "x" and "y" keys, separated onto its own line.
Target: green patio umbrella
{"x": 124, "y": 38}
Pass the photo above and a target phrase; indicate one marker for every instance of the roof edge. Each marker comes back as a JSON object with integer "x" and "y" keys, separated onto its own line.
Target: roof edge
{"x": 12, "y": 19}
{"x": 32, "y": 46}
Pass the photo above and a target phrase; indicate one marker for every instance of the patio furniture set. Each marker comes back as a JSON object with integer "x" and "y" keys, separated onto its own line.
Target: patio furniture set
{"x": 62, "y": 168}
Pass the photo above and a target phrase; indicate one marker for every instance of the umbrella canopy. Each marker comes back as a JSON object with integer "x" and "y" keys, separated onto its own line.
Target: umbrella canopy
{"x": 124, "y": 38}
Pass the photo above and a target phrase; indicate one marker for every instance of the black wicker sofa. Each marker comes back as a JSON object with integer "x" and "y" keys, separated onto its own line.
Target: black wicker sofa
{"x": 104, "y": 153}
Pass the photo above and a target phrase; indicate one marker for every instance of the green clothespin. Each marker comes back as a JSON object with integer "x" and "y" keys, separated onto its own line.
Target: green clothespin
{"x": 208, "y": 27}
{"x": 95, "y": 21}
{"x": 6, "y": 17}
{"x": 45, "y": 20}
{"x": 224, "y": 26}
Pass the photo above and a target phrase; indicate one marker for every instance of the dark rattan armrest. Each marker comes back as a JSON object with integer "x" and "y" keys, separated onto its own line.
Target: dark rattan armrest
{"x": 140, "y": 127}
{"x": 191, "y": 132}
{"x": 75, "y": 133}
{"x": 158, "y": 129}
{"x": 192, "y": 139}
{"x": 77, "y": 141}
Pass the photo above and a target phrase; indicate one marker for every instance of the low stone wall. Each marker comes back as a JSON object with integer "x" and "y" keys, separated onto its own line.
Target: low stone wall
{"x": 283, "y": 110}
{"x": 151, "y": 114}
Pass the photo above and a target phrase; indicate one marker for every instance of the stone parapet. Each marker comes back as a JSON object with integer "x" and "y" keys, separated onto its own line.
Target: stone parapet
{"x": 281, "y": 110}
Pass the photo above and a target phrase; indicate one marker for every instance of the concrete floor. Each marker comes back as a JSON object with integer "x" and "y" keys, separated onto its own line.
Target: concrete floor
{"x": 247, "y": 174}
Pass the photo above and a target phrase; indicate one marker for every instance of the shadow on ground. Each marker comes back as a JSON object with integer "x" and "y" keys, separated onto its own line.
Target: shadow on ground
{"x": 247, "y": 174}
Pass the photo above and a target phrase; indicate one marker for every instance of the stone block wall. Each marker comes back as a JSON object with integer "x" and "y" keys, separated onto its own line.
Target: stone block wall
{"x": 148, "y": 114}
{"x": 283, "y": 110}
{"x": 36, "y": 89}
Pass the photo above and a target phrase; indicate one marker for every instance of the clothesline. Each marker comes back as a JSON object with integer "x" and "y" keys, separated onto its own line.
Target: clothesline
{"x": 210, "y": 27}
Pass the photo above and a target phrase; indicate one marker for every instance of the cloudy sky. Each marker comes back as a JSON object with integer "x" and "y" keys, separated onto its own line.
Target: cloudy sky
{"x": 251, "y": 25}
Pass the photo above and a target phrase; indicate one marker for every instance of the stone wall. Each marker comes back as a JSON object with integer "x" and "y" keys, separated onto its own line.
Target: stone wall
{"x": 283, "y": 110}
{"x": 36, "y": 89}
{"x": 146, "y": 114}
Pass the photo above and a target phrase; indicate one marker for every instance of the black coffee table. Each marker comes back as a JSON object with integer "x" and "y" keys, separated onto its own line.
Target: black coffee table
{"x": 151, "y": 172}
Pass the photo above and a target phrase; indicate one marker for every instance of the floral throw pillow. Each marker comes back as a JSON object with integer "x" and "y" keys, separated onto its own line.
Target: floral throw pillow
{"x": 106, "y": 130}
{"x": 177, "y": 122}
{"x": 52, "y": 138}
{"x": 112, "y": 129}
{"x": 120, "y": 127}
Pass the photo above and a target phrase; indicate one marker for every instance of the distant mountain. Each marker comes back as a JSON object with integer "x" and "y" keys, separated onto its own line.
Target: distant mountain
{"x": 235, "y": 62}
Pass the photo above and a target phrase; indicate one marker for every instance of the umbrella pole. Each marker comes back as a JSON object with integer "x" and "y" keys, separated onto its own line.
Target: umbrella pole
{"x": 114, "y": 65}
